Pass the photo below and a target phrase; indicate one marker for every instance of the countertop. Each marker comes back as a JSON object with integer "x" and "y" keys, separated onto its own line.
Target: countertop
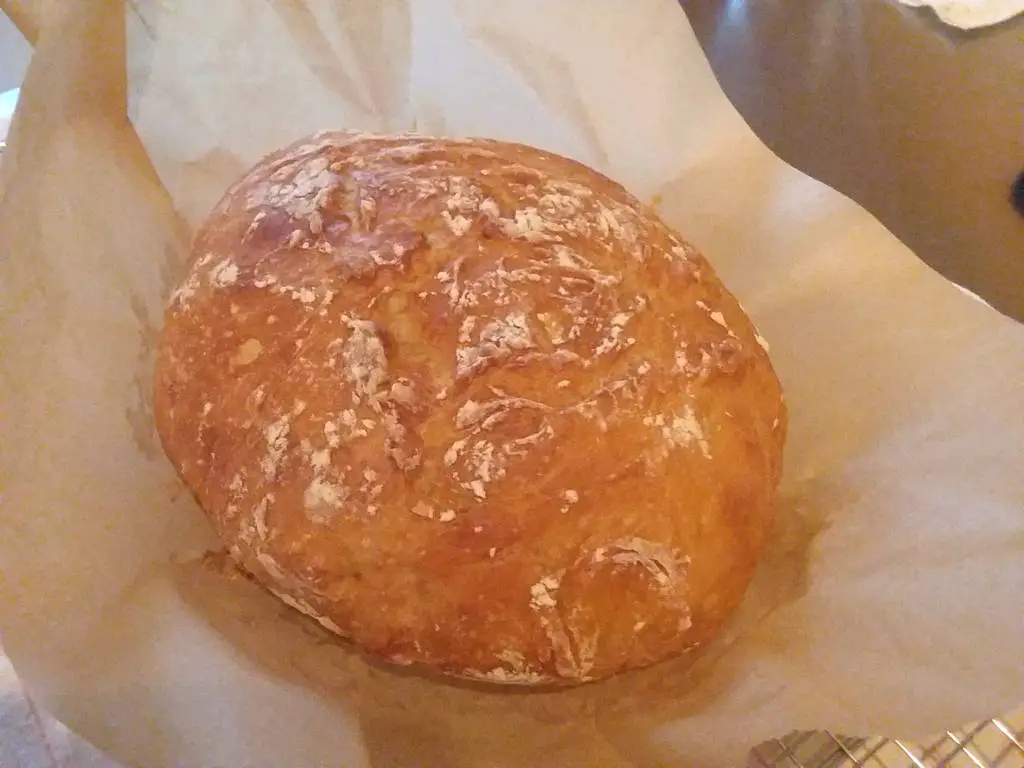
{"x": 920, "y": 123}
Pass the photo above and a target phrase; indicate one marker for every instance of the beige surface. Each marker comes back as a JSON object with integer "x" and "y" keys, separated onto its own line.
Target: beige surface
{"x": 31, "y": 738}
{"x": 904, "y": 394}
{"x": 14, "y": 56}
{"x": 30, "y": 16}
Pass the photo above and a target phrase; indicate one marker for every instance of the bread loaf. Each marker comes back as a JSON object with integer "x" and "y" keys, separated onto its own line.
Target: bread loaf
{"x": 472, "y": 406}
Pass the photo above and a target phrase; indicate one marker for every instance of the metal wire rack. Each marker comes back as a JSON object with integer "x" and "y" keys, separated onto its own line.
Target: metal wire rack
{"x": 996, "y": 743}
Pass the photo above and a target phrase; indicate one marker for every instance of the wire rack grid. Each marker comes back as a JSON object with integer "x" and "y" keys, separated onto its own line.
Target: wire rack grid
{"x": 996, "y": 743}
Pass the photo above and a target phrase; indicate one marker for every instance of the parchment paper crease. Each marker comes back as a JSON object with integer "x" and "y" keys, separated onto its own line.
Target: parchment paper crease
{"x": 890, "y": 601}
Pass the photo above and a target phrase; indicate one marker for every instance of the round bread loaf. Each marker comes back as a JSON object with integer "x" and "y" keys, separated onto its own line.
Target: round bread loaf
{"x": 471, "y": 405}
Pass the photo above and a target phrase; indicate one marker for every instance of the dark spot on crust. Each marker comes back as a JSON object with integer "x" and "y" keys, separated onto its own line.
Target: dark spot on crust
{"x": 1017, "y": 194}
{"x": 729, "y": 355}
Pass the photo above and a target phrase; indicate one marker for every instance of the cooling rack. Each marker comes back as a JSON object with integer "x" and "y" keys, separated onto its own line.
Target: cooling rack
{"x": 996, "y": 743}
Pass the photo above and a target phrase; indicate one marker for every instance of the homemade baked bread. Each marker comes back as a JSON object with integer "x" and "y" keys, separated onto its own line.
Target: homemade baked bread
{"x": 472, "y": 406}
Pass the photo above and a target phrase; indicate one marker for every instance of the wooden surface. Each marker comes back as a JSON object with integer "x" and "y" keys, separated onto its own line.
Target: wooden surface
{"x": 918, "y": 122}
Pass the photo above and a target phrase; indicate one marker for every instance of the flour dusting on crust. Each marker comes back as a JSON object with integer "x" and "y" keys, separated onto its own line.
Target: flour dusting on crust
{"x": 471, "y": 405}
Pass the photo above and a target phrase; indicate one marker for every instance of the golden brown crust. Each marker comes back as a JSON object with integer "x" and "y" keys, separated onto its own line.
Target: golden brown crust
{"x": 471, "y": 405}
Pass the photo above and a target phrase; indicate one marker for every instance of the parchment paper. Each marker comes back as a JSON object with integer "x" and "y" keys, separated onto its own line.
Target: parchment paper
{"x": 889, "y": 602}
{"x": 971, "y": 14}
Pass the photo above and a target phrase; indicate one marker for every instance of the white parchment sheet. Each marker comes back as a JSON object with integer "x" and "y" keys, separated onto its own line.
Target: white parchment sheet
{"x": 971, "y": 14}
